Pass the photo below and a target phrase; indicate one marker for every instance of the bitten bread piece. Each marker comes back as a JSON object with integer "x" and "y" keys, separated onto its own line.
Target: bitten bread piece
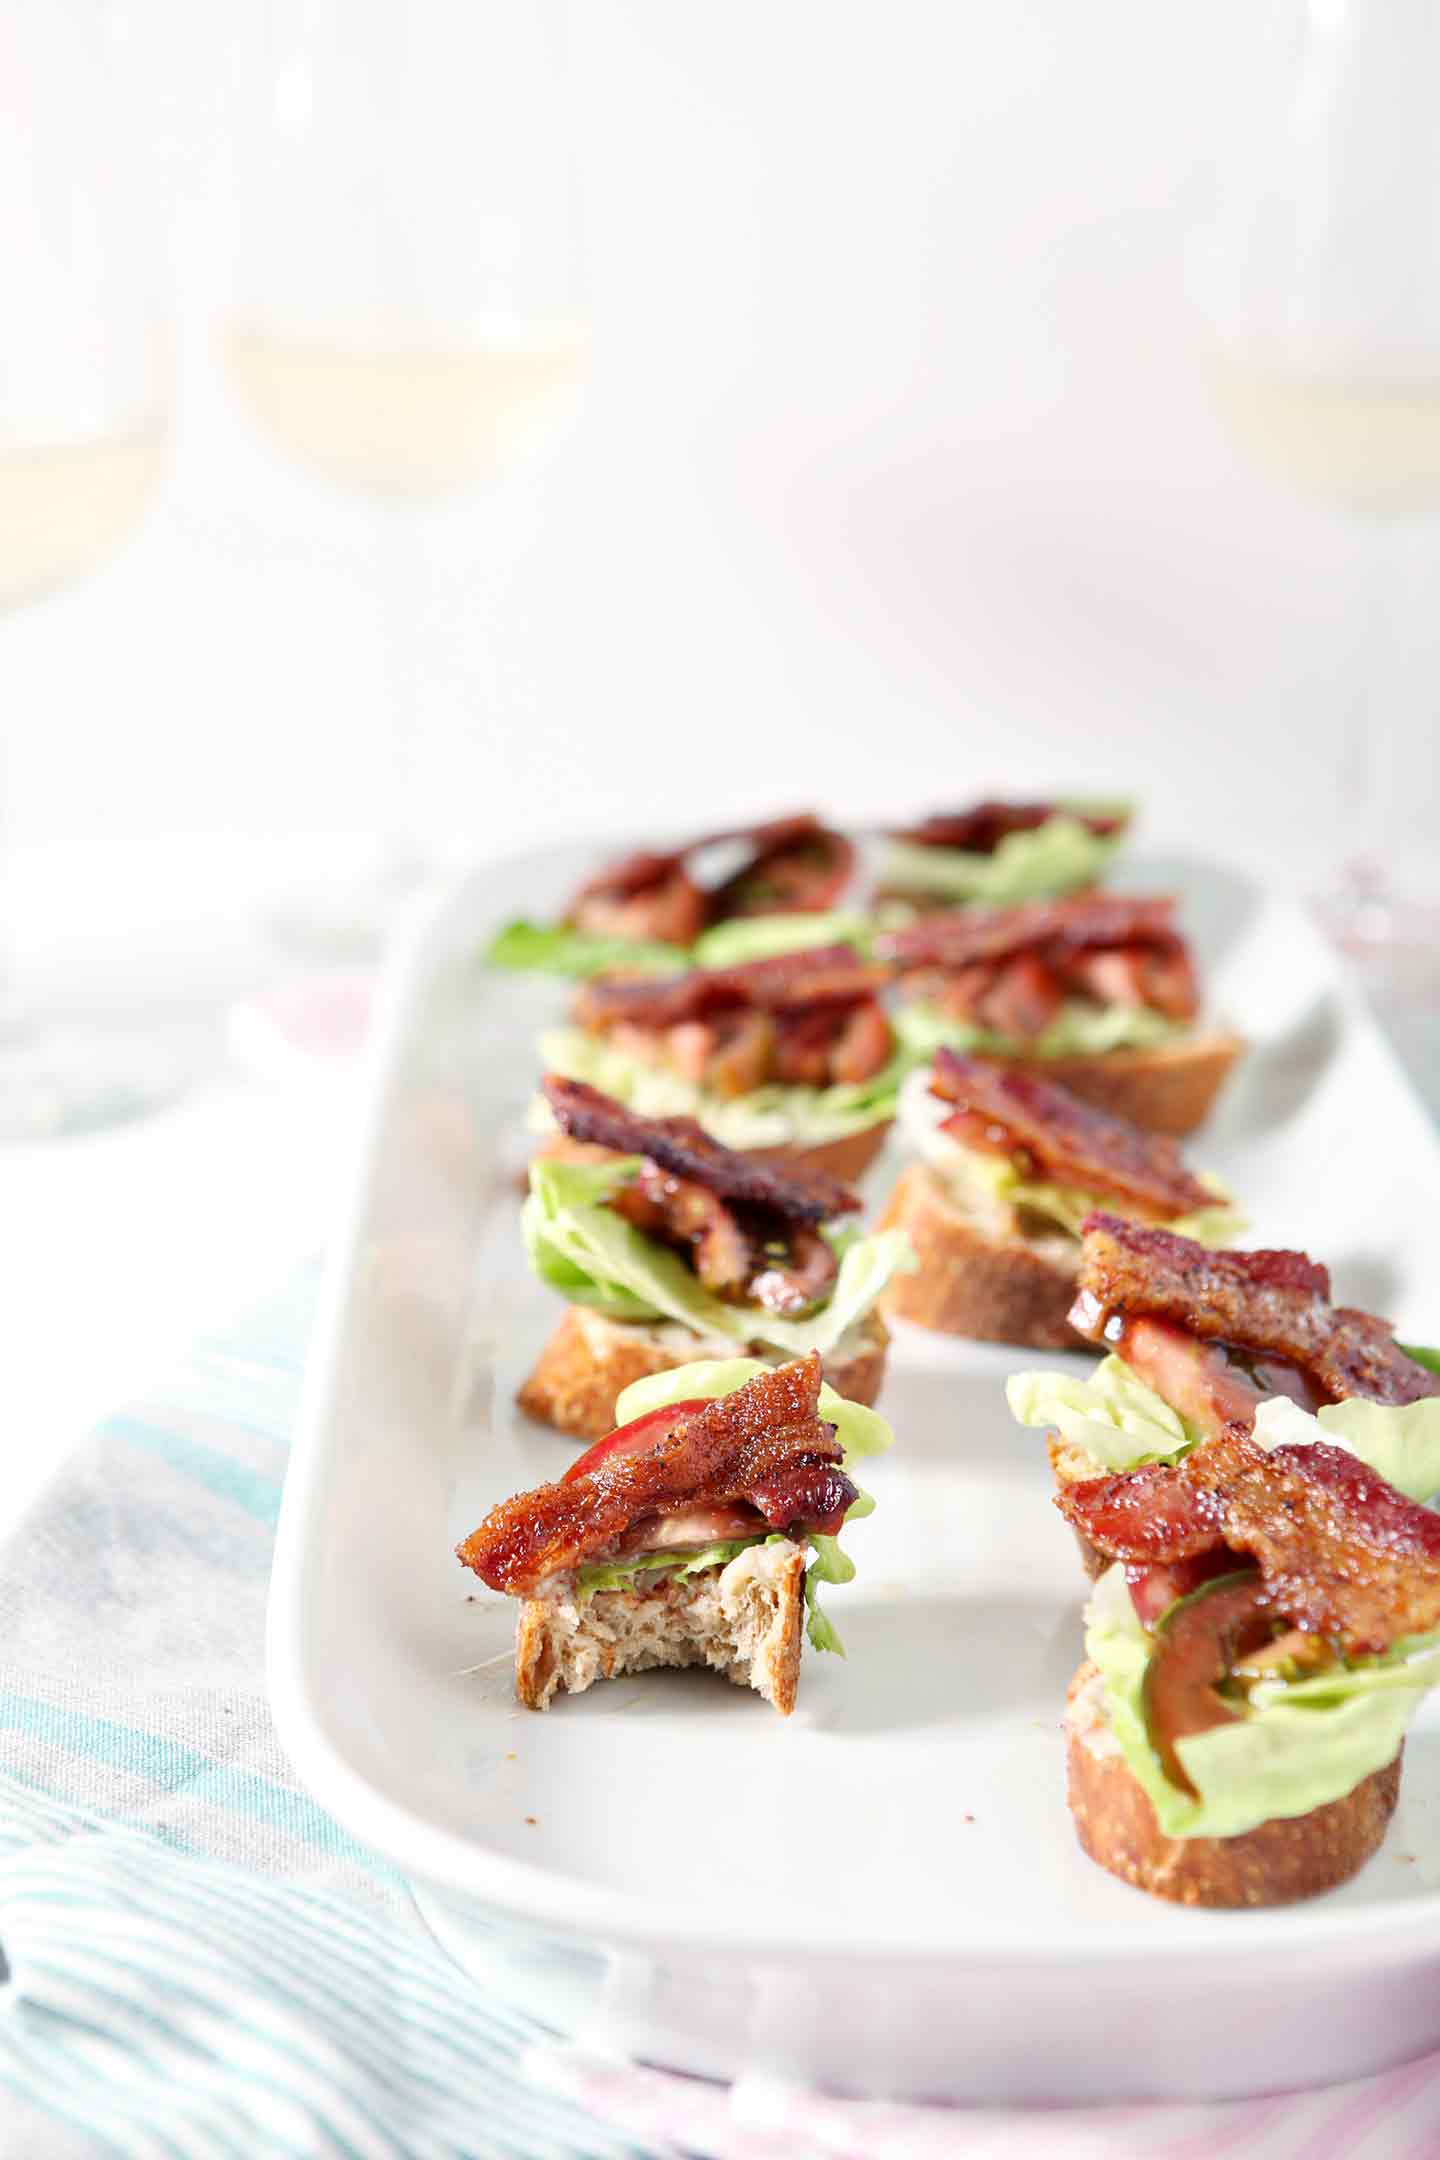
{"x": 1274, "y": 1864}
{"x": 974, "y": 1281}
{"x": 589, "y": 1360}
{"x": 742, "y": 1619}
{"x": 1166, "y": 1089}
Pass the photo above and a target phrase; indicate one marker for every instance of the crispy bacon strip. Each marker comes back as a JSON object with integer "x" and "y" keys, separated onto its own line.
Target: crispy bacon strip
{"x": 680, "y": 1145}
{"x": 642, "y": 896}
{"x": 1141, "y": 1516}
{"x": 1266, "y": 1303}
{"x": 831, "y": 975}
{"x": 799, "y": 869}
{"x": 765, "y": 1445}
{"x": 980, "y": 831}
{"x": 798, "y": 866}
{"x": 1340, "y": 1552}
{"x": 1066, "y": 1140}
{"x": 1057, "y": 929}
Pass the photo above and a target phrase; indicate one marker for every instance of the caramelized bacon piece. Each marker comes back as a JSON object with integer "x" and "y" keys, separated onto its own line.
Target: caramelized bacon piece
{"x": 1153, "y": 1514}
{"x": 764, "y": 1445}
{"x": 1066, "y": 1140}
{"x": 1269, "y": 1304}
{"x": 799, "y": 869}
{"x": 798, "y": 866}
{"x": 1340, "y": 1552}
{"x": 684, "y": 1148}
{"x": 980, "y": 831}
{"x": 722, "y": 1253}
{"x": 786, "y": 982}
{"x": 643, "y": 896}
{"x": 1056, "y": 929}
{"x": 1010, "y": 968}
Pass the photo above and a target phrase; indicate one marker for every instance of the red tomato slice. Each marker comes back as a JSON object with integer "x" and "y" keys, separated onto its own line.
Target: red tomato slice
{"x": 631, "y": 1439}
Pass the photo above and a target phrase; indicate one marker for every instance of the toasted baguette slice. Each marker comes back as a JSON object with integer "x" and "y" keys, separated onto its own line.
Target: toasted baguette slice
{"x": 743, "y": 1619}
{"x": 846, "y": 1159}
{"x": 974, "y": 1281}
{"x": 1274, "y": 1864}
{"x": 589, "y": 1360}
{"x": 1167, "y": 1089}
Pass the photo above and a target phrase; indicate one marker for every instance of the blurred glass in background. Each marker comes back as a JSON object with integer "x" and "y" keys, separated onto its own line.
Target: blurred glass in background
{"x": 408, "y": 316}
{"x": 1322, "y": 279}
{"x": 84, "y": 418}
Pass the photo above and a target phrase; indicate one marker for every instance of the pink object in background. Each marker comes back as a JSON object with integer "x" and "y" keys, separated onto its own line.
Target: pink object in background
{"x": 316, "y": 1023}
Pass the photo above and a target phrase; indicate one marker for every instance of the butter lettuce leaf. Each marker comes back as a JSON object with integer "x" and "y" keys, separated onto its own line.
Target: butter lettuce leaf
{"x": 988, "y": 1182}
{"x": 860, "y": 1431}
{"x": 555, "y": 949}
{"x": 1067, "y": 1206}
{"x": 759, "y": 937}
{"x": 1079, "y": 1029}
{"x": 1296, "y": 1746}
{"x": 1112, "y": 1415}
{"x": 1399, "y": 1441}
{"x": 1060, "y": 856}
{"x": 770, "y": 1116}
{"x": 594, "y": 1257}
{"x": 621, "y": 1574}
{"x": 1422, "y": 1355}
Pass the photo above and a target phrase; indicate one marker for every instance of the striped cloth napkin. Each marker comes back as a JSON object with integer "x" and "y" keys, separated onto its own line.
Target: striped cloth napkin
{"x": 202, "y": 1964}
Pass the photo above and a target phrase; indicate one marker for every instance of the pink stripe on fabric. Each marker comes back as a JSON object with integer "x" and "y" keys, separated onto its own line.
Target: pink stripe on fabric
{"x": 671, "y": 2113}
{"x": 1375, "y": 2099}
{"x": 1233, "y": 2125}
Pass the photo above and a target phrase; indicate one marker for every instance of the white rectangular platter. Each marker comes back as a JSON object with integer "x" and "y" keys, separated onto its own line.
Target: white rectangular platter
{"x": 884, "y": 1892}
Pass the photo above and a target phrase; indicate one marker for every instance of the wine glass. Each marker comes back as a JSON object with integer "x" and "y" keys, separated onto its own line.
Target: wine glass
{"x": 408, "y": 320}
{"x": 1322, "y": 290}
{"x": 84, "y": 415}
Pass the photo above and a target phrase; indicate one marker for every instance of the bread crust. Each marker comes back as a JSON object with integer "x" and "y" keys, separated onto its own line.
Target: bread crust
{"x": 1072, "y": 1466}
{"x": 753, "y": 1638}
{"x": 847, "y": 1159}
{"x": 971, "y": 1282}
{"x": 589, "y": 1360}
{"x": 1275, "y": 1864}
{"x": 1169, "y": 1088}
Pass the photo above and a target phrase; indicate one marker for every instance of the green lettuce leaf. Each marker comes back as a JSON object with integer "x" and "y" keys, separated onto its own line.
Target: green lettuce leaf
{"x": 621, "y": 1574}
{"x": 1112, "y": 1415}
{"x": 1399, "y": 1441}
{"x": 859, "y": 1430}
{"x": 1079, "y": 1029}
{"x": 1067, "y": 1207}
{"x": 758, "y": 937}
{"x": 1430, "y": 1359}
{"x": 594, "y": 1257}
{"x": 1060, "y": 856}
{"x": 771, "y": 1116}
{"x": 1298, "y": 1744}
{"x": 554, "y": 949}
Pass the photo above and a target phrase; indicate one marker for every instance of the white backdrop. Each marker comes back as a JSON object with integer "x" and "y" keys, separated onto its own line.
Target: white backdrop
{"x": 896, "y": 479}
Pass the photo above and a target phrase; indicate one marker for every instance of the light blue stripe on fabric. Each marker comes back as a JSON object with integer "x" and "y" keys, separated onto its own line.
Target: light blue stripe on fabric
{"x": 316, "y": 2105}
{"x": 220, "y": 1474}
{"x": 174, "y": 1768}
